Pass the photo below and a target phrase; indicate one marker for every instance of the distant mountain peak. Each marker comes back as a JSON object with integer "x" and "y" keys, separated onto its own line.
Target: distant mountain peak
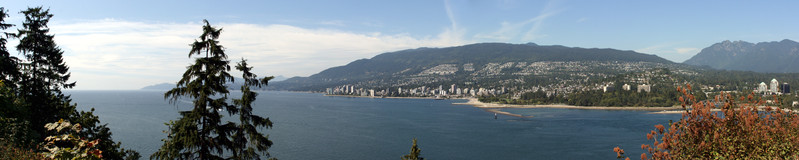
{"x": 777, "y": 57}
{"x": 531, "y": 44}
{"x": 160, "y": 86}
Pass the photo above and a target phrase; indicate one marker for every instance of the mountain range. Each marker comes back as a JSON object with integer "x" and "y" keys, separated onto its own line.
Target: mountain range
{"x": 482, "y": 64}
{"x": 767, "y": 57}
{"x": 502, "y": 64}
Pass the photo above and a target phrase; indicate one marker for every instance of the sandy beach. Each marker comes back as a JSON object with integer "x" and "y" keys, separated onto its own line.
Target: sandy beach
{"x": 474, "y": 102}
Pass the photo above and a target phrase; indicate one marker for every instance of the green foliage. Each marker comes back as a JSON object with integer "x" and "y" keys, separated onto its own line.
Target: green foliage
{"x": 8, "y": 63}
{"x": 14, "y": 126}
{"x": 246, "y": 137}
{"x": 67, "y": 144}
{"x": 10, "y": 151}
{"x": 46, "y": 71}
{"x": 30, "y": 93}
{"x": 415, "y": 153}
{"x": 200, "y": 132}
{"x": 94, "y": 130}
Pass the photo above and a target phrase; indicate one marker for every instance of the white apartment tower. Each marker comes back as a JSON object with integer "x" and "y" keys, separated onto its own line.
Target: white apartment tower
{"x": 773, "y": 87}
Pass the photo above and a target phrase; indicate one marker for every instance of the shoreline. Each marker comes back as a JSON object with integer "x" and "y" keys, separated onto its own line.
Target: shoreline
{"x": 494, "y": 107}
{"x": 474, "y": 102}
{"x": 353, "y": 96}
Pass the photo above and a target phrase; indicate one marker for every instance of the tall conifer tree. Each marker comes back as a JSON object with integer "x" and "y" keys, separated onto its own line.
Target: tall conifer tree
{"x": 247, "y": 140}
{"x": 42, "y": 75}
{"x": 8, "y": 64}
{"x": 199, "y": 133}
{"x": 45, "y": 72}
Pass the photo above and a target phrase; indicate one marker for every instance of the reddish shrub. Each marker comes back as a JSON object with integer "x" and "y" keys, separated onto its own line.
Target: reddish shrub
{"x": 738, "y": 129}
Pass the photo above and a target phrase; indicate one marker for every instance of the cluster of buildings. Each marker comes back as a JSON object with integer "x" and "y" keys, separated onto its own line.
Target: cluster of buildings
{"x": 423, "y": 91}
{"x": 774, "y": 88}
{"x": 641, "y": 88}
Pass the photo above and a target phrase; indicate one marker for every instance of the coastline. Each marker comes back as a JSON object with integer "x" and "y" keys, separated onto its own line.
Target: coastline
{"x": 495, "y": 108}
{"x": 474, "y": 102}
{"x": 353, "y": 96}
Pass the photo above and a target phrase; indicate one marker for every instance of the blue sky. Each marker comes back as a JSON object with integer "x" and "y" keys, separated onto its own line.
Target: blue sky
{"x": 139, "y": 43}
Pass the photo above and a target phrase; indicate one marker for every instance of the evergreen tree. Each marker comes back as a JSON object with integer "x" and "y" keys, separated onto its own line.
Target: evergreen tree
{"x": 415, "y": 153}
{"x": 246, "y": 139}
{"x": 199, "y": 133}
{"x": 8, "y": 64}
{"x": 38, "y": 92}
{"x": 45, "y": 73}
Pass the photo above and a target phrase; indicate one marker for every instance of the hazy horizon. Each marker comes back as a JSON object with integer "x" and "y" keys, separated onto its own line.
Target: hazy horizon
{"x": 141, "y": 43}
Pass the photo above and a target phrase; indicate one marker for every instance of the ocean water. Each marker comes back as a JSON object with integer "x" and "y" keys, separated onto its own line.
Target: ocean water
{"x": 313, "y": 126}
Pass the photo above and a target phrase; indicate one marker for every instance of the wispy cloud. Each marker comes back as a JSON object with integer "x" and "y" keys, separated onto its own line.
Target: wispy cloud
{"x": 105, "y": 53}
{"x": 527, "y": 30}
{"x": 453, "y": 34}
{"x": 547, "y": 12}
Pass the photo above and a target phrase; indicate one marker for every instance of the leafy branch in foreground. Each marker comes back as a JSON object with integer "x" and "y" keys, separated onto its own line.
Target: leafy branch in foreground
{"x": 725, "y": 128}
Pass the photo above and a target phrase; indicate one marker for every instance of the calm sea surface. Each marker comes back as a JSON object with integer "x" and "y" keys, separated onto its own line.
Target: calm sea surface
{"x": 313, "y": 126}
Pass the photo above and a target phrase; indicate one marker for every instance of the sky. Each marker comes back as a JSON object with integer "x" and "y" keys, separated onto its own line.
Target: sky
{"x": 126, "y": 45}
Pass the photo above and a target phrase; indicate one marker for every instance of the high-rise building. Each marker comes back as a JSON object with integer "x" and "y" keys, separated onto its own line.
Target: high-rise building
{"x": 761, "y": 88}
{"x": 785, "y": 88}
{"x": 773, "y": 86}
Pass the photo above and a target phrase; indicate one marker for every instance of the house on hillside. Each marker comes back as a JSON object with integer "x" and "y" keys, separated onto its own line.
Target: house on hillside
{"x": 645, "y": 88}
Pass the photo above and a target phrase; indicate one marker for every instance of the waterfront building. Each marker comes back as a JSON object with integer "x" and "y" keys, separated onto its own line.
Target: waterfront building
{"x": 773, "y": 86}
